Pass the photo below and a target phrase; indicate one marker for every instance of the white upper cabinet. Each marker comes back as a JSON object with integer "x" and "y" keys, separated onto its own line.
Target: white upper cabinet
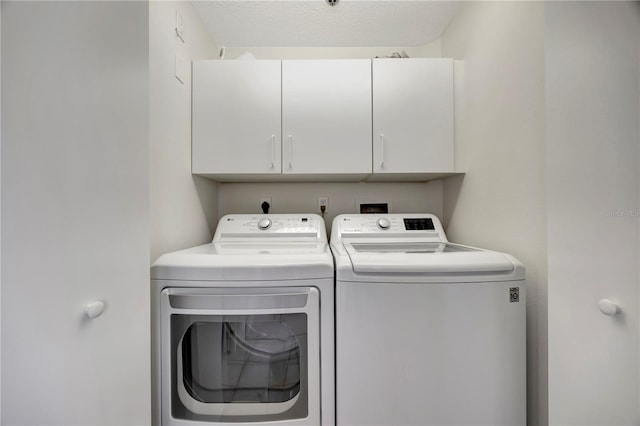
{"x": 236, "y": 117}
{"x": 412, "y": 117}
{"x": 326, "y": 117}
{"x": 340, "y": 120}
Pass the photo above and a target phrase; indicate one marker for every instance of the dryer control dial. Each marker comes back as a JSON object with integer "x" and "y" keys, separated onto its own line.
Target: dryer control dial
{"x": 264, "y": 223}
{"x": 383, "y": 223}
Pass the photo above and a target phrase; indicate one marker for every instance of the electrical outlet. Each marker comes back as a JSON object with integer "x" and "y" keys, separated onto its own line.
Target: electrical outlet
{"x": 323, "y": 202}
{"x": 267, "y": 200}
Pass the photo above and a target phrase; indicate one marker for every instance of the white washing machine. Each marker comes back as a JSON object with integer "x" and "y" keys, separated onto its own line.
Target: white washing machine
{"x": 243, "y": 327}
{"x": 427, "y": 332}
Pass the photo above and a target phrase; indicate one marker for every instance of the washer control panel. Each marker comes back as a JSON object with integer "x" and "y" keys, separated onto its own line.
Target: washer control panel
{"x": 389, "y": 225}
{"x": 419, "y": 224}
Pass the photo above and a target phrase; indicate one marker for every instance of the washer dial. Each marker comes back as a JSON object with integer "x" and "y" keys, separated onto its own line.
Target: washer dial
{"x": 383, "y": 223}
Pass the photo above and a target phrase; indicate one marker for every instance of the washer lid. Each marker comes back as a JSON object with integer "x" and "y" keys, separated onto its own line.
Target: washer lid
{"x": 424, "y": 257}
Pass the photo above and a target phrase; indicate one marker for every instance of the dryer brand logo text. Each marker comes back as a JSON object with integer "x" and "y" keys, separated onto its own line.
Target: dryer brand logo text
{"x": 514, "y": 294}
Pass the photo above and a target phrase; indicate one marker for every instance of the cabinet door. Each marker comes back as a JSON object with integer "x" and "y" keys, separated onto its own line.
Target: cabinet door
{"x": 326, "y": 116}
{"x": 236, "y": 117}
{"x": 412, "y": 115}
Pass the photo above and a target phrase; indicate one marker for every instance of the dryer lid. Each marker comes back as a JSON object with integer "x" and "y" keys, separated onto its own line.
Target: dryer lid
{"x": 260, "y": 248}
{"x": 219, "y": 262}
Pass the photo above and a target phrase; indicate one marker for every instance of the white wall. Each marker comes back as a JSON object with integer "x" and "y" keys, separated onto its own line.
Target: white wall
{"x": 183, "y": 208}
{"x": 407, "y": 197}
{"x": 592, "y": 73}
{"x": 0, "y": 213}
{"x": 75, "y": 212}
{"x": 500, "y": 202}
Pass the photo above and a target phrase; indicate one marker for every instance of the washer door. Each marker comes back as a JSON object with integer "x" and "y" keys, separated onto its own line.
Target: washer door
{"x": 241, "y": 355}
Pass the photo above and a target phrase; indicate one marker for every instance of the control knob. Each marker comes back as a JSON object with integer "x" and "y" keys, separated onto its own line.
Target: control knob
{"x": 264, "y": 223}
{"x": 383, "y": 223}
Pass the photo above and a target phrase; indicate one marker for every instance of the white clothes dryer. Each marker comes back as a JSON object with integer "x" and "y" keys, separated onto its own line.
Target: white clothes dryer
{"x": 427, "y": 332}
{"x": 243, "y": 327}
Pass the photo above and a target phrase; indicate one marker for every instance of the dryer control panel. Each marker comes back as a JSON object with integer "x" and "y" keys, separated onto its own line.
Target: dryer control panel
{"x": 271, "y": 226}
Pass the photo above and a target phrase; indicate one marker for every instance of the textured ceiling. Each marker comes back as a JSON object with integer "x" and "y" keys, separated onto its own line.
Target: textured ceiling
{"x": 356, "y": 23}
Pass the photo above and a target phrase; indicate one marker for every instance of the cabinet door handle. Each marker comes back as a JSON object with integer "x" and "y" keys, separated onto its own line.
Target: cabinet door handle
{"x": 290, "y": 151}
{"x": 273, "y": 151}
{"x": 94, "y": 309}
{"x": 381, "y": 150}
{"x": 609, "y": 307}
